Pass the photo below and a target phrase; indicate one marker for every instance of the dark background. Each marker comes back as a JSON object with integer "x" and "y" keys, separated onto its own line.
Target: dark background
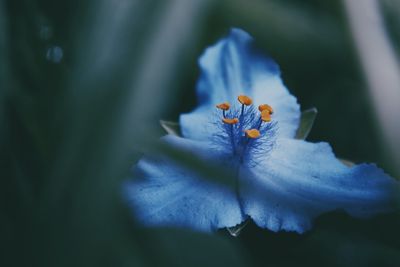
{"x": 72, "y": 126}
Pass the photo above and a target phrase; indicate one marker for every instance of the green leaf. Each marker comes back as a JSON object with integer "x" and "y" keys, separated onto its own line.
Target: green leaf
{"x": 348, "y": 163}
{"x": 236, "y": 230}
{"x": 171, "y": 127}
{"x": 306, "y": 123}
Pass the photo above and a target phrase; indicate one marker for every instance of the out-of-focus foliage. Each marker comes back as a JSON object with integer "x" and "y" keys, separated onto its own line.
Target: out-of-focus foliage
{"x": 83, "y": 85}
{"x": 68, "y": 136}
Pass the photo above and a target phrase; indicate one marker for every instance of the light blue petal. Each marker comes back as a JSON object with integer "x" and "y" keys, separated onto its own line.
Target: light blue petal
{"x": 164, "y": 193}
{"x": 301, "y": 180}
{"x": 232, "y": 67}
{"x": 200, "y": 124}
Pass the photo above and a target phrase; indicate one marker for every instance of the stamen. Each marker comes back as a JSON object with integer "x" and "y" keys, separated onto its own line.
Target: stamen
{"x": 263, "y": 107}
{"x": 245, "y": 100}
{"x": 230, "y": 121}
{"x": 224, "y": 106}
{"x": 247, "y": 132}
{"x": 265, "y": 116}
{"x": 252, "y": 133}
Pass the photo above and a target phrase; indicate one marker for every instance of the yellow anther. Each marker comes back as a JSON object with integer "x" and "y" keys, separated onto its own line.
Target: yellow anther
{"x": 230, "y": 121}
{"x": 253, "y": 133}
{"x": 266, "y": 107}
{"x": 265, "y": 116}
{"x": 224, "y": 106}
{"x": 245, "y": 100}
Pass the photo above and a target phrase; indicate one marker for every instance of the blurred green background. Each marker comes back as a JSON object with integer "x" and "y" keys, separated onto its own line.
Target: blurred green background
{"x": 83, "y": 86}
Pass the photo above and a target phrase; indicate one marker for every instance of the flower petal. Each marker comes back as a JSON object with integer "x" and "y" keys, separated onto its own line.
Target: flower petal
{"x": 199, "y": 124}
{"x": 301, "y": 180}
{"x": 164, "y": 193}
{"x": 232, "y": 67}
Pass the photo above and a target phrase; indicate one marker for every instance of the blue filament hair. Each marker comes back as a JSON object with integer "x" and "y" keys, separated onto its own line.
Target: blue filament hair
{"x": 259, "y": 148}
{"x": 233, "y": 138}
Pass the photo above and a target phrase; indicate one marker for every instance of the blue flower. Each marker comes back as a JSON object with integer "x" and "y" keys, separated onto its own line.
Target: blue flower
{"x": 281, "y": 183}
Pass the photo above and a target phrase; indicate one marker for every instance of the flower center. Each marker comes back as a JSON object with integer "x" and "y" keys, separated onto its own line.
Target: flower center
{"x": 248, "y": 132}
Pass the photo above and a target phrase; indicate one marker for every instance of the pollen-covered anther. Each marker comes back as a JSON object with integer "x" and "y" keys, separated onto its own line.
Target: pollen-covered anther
{"x": 252, "y": 133}
{"x": 224, "y": 106}
{"x": 230, "y": 121}
{"x": 263, "y": 107}
{"x": 245, "y": 100}
{"x": 265, "y": 116}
